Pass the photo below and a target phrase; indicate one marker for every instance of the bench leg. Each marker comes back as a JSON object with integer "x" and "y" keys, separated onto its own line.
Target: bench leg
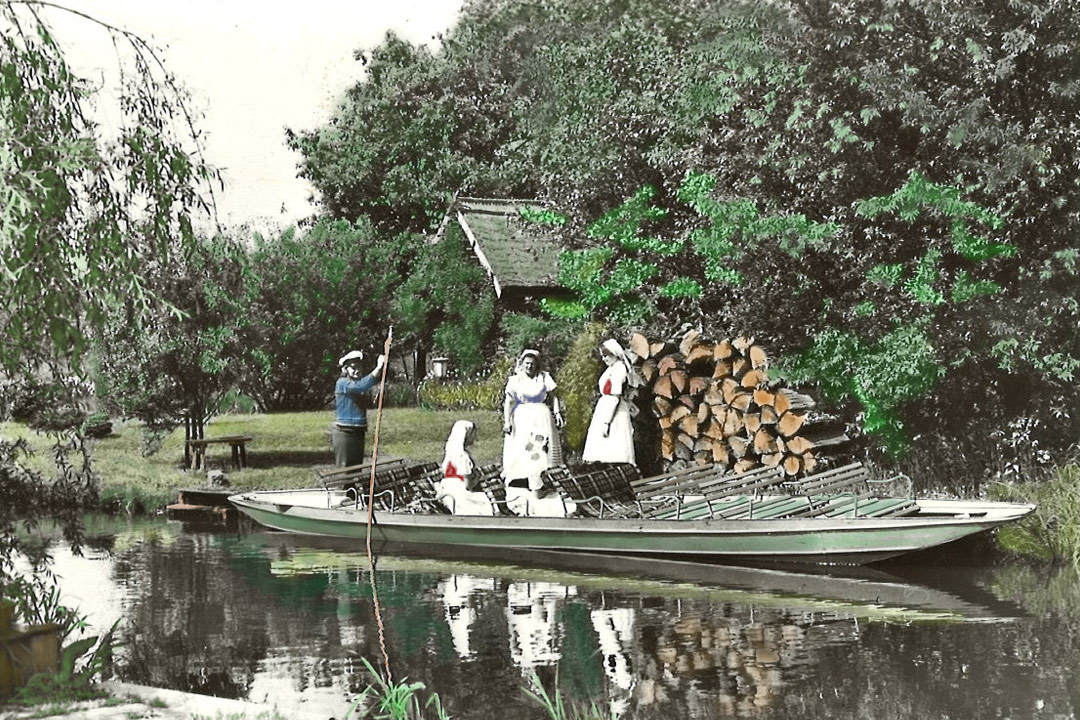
{"x": 236, "y": 457}
{"x": 243, "y": 456}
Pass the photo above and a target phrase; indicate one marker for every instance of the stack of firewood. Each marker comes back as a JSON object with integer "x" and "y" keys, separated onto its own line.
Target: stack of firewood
{"x": 715, "y": 403}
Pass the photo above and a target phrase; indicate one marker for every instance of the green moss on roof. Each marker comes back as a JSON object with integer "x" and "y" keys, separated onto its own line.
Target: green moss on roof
{"x": 520, "y": 254}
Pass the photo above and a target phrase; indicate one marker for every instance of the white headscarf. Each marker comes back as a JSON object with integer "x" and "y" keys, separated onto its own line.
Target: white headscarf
{"x": 613, "y": 347}
{"x": 456, "y": 452}
{"x": 527, "y": 352}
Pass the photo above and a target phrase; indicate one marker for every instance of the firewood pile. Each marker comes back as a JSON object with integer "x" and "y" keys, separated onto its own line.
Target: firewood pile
{"x": 715, "y": 404}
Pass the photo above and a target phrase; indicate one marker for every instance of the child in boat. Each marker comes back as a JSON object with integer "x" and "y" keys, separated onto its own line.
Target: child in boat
{"x": 456, "y": 490}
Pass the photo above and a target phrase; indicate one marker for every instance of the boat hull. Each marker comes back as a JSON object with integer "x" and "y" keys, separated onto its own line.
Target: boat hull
{"x": 816, "y": 540}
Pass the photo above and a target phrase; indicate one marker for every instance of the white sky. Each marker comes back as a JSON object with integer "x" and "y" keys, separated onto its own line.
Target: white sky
{"x": 255, "y": 67}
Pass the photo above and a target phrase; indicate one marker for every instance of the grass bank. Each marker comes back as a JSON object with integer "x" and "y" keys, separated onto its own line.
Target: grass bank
{"x": 285, "y": 448}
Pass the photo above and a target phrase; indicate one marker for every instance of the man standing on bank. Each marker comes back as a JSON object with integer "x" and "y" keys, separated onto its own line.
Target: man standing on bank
{"x": 351, "y": 401}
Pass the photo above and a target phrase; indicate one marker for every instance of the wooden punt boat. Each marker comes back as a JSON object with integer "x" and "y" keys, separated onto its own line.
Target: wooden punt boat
{"x": 829, "y": 537}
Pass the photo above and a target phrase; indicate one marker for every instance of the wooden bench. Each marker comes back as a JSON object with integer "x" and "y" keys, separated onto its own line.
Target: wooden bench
{"x": 197, "y": 447}
{"x": 848, "y": 491}
{"x": 726, "y": 496}
{"x": 494, "y": 487}
{"x": 836, "y": 480}
{"x": 340, "y": 478}
{"x": 400, "y": 485}
{"x": 597, "y": 491}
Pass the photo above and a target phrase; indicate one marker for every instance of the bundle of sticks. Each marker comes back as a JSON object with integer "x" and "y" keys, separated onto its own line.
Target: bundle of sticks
{"x": 715, "y": 403}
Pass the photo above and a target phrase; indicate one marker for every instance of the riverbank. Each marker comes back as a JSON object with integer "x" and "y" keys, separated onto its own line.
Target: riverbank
{"x": 285, "y": 448}
{"x": 128, "y": 701}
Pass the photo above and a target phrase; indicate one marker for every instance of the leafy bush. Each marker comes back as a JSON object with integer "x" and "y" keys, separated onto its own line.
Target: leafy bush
{"x": 474, "y": 394}
{"x": 577, "y": 383}
{"x": 1052, "y": 532}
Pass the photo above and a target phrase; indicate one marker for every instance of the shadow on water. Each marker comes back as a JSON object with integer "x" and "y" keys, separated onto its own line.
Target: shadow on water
{"x": 285, "y": 618}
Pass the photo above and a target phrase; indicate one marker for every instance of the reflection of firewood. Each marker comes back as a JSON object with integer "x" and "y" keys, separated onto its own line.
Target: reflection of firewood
{"x": 715, "y": 403}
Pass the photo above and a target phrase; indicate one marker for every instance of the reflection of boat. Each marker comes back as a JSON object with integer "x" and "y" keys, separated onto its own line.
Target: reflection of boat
{"x": 848, "y": 540}
{"x": 867, "y": 593}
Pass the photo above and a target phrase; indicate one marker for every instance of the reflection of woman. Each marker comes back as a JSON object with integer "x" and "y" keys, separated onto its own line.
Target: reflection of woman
{"x": 611, "y": 433}
{"x": 532, "y": 616}
{"x": 456, "y": 489}
{"x": 460, "y": 615}
{"x": 529, "y": 424}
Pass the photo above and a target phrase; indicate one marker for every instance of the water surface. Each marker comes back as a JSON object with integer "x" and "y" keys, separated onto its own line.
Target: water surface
{"x": 286, "y": 620}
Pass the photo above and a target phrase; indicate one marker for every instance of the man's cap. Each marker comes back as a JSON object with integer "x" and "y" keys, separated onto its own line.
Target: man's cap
{"x": 351, "y": 355}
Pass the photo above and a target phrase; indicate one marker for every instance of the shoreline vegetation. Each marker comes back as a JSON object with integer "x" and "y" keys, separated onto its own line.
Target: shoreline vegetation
{"x": 287, "y": 446}
{"x": 285, "y": 449}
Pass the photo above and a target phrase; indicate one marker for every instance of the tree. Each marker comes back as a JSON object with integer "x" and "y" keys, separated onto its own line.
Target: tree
{"x": 176, "y": 366}
{"x": 81, "y": 209}
{"x": 446, "y": 303}
{"x": 317, "y": 294}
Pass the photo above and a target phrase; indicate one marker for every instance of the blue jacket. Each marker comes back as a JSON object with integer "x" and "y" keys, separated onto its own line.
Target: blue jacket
{"x": 351, "y": 400}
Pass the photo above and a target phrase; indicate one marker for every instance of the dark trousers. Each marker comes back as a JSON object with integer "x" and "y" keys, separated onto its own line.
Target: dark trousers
{"x": 348, "y": 445}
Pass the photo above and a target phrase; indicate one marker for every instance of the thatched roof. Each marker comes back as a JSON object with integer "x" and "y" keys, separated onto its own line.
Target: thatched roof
{"x": 516, "y": 254}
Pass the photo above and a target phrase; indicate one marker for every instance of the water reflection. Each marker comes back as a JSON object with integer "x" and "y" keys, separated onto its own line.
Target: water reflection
{"x": 284, "y": 619}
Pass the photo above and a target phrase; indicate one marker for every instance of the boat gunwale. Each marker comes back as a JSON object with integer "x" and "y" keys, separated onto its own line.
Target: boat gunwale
{"x": 1005, "y": 512}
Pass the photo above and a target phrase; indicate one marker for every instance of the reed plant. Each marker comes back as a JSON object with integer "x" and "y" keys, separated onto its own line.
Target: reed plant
{"x": 559, "y": 709}
{"x": 1052, "y": 532}
{"x": 391, "y": 700}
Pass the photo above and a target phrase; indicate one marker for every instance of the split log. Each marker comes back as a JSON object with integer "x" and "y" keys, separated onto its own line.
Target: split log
{"x": 765, "y": 443}
{"x": 713, "y": 429}
{"x": 799, "y": 445}
{"x": 703, "y": 412}
{"x": 790, "y": 423}
{"x": 723, "y": 350}
{"x": 721, "y": 370}
{"x": 688, "y": 401}
{"x": 768, "y": 415}
{"x": 734, "y": 423}
{"x": 668, "y": 363}
{"x": 772, "y": 460}
{"x": 758, "y": 358}
{"x": 661, "y": 406}
{"x": 679, "y": 379}
{"x": 792, "y": 465}
{"x": 667, "y": 444}
{"x": 739, "y": 367}
{"x": 698, "y": 385}
{"x": 657, "y": 348}
{"x": 678, "y": 413}
{"x": 720, "y": 454}
{"x": 764, "y": 398}
{"x": 738, "y": 445}
{"x": 742, "y": 343}
{"x": 714, "y": 394}
{"x": 662, "y": 387}
{"x": 753, "y": 378}
{"x": 796, "y": 400}
{"x": 688, "y": 341}
{"x": 729, "y": 387}
{"x": 745, "y": 465}
{"x": 689, "y": 425}
{"x": 699, "y": 353}
{"x": 647, "y": 370}
{"x": 741, "y": 401}
{"x": 809, "y": 462}
{"x": 752, "y": 421}
{"x": 639, "y": 345}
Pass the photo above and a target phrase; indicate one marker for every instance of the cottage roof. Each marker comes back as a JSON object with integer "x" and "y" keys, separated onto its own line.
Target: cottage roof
{"x": 515, "y": 253}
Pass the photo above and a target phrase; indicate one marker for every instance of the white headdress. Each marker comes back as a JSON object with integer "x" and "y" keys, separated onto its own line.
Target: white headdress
{"x": 456, "y": 452}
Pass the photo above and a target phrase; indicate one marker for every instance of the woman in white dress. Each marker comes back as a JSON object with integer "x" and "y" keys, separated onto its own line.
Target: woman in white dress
{"x": 611, "y": 433}
{"x": 456, "y": 489}
{"x": 531, "y": 418}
